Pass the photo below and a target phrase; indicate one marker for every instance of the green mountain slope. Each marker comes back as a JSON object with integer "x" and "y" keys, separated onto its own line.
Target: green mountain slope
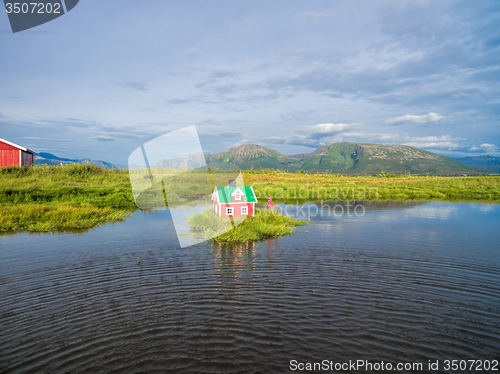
{"x": 400, "y": 159}
{"x": 345, "y": 158}
{"x": 252, "y": 155}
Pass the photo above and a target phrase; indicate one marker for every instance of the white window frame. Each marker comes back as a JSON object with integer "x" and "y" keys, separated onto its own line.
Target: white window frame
{"x": 237, "y": 197}
{"x": 229, "y": 208}
{"x": 244, "y": 210}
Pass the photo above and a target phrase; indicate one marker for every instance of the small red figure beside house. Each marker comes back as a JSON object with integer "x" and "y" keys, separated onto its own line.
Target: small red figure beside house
{"x": 234, "y": 201}
{"x": 14, "y": 155}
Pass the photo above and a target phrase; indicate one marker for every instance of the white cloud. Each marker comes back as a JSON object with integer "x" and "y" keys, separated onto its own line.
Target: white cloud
{"x": 426, "y": 118}
{"x": 485, "y": 147}
{"x": 299, "y": 139}
{"x": 329, "y": 133}
{"x": 318, "y": 135}
{"x": 488, "y": 147}
{"x": 328, "y": 128}
{"x": 315, "y": 135}
{"x": 369, "y": 137}
{"x": 324, "y": 134}
{"x": 439, "y": 142}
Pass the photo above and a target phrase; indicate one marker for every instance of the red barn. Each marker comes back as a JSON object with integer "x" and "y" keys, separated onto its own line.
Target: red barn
{"x": 14, "y": 155}
{"x": 234, "y": 201}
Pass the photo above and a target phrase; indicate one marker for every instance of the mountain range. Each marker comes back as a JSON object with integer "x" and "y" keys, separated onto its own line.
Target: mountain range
{"x": 343, "y": 158}
{"x": 486, "y": 163}
{"x": 49, "y": 159}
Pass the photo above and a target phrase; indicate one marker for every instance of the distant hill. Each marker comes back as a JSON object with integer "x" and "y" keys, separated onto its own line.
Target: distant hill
{"x": 486, "y": 163}
{"x": 190, "y": 162}
{"x": 345, "y": 158}
{"x": 49, "y": 159}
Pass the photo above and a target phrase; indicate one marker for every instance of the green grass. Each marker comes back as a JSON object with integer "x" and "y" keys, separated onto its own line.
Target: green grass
{"x": 50, "y": 198}
{"x": 65, "y": 217}
{"x": 264, "y": 225}
{"x": 293, "y": 187}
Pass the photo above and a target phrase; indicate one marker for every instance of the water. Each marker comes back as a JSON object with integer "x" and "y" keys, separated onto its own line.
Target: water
{"x": 405, "y": 282}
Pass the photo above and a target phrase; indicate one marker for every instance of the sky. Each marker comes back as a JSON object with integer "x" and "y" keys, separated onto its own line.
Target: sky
{"x": 111, "y": 75}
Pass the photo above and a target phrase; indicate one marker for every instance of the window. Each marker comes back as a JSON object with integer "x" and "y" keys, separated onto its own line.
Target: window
{"x": 229, "y": 211}
{"x": 237, "y": 197}
{"x": 244, "y": 210}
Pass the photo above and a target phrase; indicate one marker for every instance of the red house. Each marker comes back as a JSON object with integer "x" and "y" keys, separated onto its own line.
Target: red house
{"x": 14, "y": 155}
{"x": 234, "y": 201}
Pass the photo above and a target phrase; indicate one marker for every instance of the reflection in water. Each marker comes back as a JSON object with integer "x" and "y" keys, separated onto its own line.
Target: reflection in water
{"x": 414, "y": 282}
{"x": 340, "y": 208}
{"x": 230, "y": 262}
{"x": 371, "y": 205}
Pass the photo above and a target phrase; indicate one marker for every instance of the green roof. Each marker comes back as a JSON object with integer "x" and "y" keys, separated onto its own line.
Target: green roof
{"x": 224, "y": 194}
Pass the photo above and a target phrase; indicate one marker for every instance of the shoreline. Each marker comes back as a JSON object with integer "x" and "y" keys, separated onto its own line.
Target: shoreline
{"x": 79, "y": 197}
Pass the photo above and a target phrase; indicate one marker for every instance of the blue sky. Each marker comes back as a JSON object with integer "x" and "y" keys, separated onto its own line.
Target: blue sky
{"x": 112, "y": 74}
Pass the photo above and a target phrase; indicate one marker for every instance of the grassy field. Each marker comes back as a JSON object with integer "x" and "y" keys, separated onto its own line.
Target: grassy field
{"x": 266, "y": 224}
{"x": 293, "y": 187}
{"x": 49, "y": 198}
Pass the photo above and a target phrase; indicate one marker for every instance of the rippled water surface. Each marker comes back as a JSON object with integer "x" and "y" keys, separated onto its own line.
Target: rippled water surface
{"x": 404, "y": 282}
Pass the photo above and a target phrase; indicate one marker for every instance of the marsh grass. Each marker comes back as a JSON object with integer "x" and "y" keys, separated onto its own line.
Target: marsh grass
{"x": 63, "y": 217}
{"x": 50, "y": 198}
{"x": 208, "y": 224}
{"x": 292, "y": 187}
{"x": 264, "y": 225}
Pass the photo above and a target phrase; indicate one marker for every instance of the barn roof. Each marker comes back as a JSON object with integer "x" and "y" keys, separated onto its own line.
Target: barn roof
{"x": 17, "y": 146}
{"x": 224, "y": 194}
